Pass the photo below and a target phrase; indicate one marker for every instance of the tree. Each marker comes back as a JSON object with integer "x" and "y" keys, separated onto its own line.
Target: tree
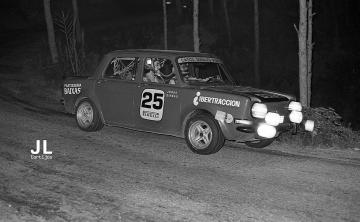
{"x": 227, "y": 20}
{"x": 336, "y": 16}
{"x": 305, "y": 50}
{"x": 179, "y": 8}
{"x": 76, "y": 22}
{"x": 50, "y": 31}
{"x": 211, "y": 7}
{"x": 257, "y": 44}
{"x": 165, "y": 24}
{"x": 309, "y": 48}
{"x": 196, "y": 26}
{"x": 78, "y": 40}
{"x": 302, "y": 35}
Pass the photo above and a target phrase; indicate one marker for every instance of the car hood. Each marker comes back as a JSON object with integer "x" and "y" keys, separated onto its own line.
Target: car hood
{"x": 253, "y": 93}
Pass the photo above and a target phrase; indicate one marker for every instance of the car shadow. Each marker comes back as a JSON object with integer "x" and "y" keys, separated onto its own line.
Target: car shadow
{"x": 269, "y": 151}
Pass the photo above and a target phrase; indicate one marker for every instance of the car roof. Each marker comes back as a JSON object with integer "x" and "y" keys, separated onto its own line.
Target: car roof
{"x": 158, "y": 52}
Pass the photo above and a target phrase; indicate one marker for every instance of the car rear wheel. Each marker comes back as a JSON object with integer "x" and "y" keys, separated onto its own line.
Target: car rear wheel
{"x": 203, "y": 135}
{"x": 87, "y": 117}
{"x": 259, "y": 143}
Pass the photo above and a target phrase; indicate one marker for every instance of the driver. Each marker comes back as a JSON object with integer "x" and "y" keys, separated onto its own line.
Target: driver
{"x": 153, "y": 74}
{"x": 184, "y": 69}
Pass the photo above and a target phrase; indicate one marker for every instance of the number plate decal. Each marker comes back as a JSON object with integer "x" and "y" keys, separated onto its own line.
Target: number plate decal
{"x": 152, "y": 104}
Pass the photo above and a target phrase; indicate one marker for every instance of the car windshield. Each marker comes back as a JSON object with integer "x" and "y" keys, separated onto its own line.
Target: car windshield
{"x": 203, "y": 70}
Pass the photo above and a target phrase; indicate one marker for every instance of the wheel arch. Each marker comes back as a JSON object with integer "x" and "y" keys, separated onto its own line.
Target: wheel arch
{"x": 83, "y": 98}
{"x": 224, "y": 128}
{"x": 190, "y": 115}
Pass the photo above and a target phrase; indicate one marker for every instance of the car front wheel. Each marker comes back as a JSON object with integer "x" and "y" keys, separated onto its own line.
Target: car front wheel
{"x": 203, "y": 135}
{"x": 87, "y": 117}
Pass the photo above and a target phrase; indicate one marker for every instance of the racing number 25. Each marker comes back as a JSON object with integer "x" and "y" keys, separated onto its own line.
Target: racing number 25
{"x": 152, "y": 104}
{"x": 152, "y": 100}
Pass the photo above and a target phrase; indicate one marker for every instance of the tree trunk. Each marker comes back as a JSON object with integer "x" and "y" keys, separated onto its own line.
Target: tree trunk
{"x": 165, "y": 25}
{"x": 302, "y": 52}
{"x": 235, "y": 6}
{"x": 211, "y": 7}
{"x": 257, "y": 44}
{"x": 77, "y": 37}
{"x": 309, "y": 49}
{"x": 76, "y": 22}
{"x": 347, "y": 13}
{"x": 196, "y": 26}
{"x": 50, "y": 31}
{"x": 227, "y": 20}
{"x": 179, "y": 8}
{"x": 334, "y": 7}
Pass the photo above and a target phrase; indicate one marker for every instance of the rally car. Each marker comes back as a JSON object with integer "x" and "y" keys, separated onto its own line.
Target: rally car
{"x": 184, "y": 94}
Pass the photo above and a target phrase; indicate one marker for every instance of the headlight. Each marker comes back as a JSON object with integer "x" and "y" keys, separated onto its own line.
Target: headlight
{"x": 273, "y": 119}
{"x": 295, "y": 106}
{"x": 296, "y": 116}
{"x": 266, "y": 131}
{"x": 259, "y": 110}
{"x": 309, "y": 125}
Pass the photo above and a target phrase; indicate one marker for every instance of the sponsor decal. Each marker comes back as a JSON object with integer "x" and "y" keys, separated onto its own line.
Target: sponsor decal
{"x": 229, "y": 118}
{"x": 220, "y": 115}
{"x": 171, "y": 94}
{"x": 198, "y": 59}
{"x": 213, "y": 100}
{"x": 150, "y": 114}
{"x": 224, "y": 117}
{"x": 152, "y": 104}
{"x": 196, "y": 99}
{"x": 267, "y": 95}
{"x": 72, "y": 89}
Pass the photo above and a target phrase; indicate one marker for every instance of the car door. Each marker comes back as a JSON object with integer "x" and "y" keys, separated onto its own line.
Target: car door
{"x": 115, "y": 90}
{"x": 157, "y": 106}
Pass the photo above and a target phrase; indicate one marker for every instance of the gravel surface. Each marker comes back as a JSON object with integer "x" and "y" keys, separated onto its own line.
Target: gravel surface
{"x": 123, "y": 175}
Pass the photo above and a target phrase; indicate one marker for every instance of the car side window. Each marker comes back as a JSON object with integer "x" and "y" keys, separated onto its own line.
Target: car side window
{"x": 123, "y": 68}
{"x": 159, "y": 70}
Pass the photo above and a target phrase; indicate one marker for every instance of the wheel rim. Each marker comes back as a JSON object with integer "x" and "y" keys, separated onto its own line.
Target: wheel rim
{"x": 85, "y": 114}
{"x": 200, "y": 134}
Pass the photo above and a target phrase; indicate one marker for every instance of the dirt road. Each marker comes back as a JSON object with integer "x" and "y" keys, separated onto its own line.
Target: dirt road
{"x": 123, "y": 175}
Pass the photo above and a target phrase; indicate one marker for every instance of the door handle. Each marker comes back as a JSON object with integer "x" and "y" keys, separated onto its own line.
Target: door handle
{"x": 142, "y": 85}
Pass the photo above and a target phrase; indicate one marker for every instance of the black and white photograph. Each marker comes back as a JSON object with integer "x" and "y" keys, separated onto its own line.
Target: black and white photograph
{"x": 180, "y": 110}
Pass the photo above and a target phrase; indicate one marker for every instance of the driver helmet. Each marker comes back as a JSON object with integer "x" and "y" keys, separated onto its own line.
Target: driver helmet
{"x": 157, "y": 64}
{"x": 184, "y": 68}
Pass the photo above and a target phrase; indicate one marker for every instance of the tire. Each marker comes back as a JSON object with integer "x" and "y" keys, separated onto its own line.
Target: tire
{"x": 88, "y": 117}
{"x": 203, "y": 134}
{"x": 259, "y": 143}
